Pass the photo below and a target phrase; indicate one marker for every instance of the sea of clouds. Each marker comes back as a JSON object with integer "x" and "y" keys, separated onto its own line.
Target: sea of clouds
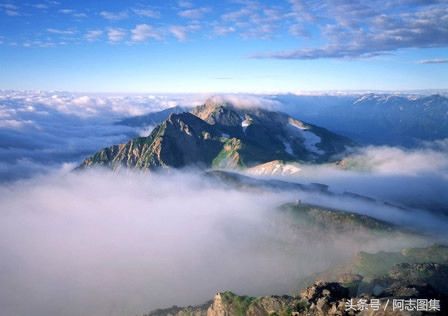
{"x": 40, "y": 131}
{"x": 103, "y": 243}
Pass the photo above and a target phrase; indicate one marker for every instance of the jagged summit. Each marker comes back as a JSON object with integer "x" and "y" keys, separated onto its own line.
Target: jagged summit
{"x": 215, "y": 111}
{"x": 220, "y": 134}
{"x": 183, "y": 139}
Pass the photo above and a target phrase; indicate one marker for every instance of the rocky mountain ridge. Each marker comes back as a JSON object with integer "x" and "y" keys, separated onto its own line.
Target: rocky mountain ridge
{"x": 221, "y": 135}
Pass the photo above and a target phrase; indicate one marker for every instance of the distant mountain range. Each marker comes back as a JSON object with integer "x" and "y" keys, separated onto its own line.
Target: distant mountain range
{"x": 379, "y": 119}
{"x": 224, "y": 136}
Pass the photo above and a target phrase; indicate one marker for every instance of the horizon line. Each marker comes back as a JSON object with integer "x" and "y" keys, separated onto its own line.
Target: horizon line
{"x": 296, "y": 92}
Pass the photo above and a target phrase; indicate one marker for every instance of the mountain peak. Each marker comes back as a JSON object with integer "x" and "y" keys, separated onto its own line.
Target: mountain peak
{"x": 218, "y": 101}
{"x": 216, "y": 111}
{"x": 218, "y": 134}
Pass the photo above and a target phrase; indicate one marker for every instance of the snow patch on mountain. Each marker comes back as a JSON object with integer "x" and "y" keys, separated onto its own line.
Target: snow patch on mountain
{"x": 310, "y": 140}
{"x": 275, "y": 168}
{"x": 288, "y": 148}
{"x": 246, "y": 123}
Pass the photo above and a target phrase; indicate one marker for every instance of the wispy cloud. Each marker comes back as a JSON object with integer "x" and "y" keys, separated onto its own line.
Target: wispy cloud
{"x": 180, "y": 32}
{"x": 149, "y": 13}
{"x": 222, "y": 30}
{"x": 184, "y": 4}
{"x": 251, "y": 20}
{"x": 73, "y": 13}
{"x": 12, "y": 13}
{"x": 10, "y": 9}
{"x": 434, "y": 61}
{"x": 143, "y": 32}
{"x": 114, "y": 16}
{"x": 41, "y": 6}
{"x": 61, "y": 31}
{"x": 355, "y": 29}
{"x": 8, "y": 6}
{"x": 93, "y": 35}
{"x": 66, "y": 11}
{"x": 39, "y": 43}
{"x": 194, "y": 13}
{"x": 343, "y": 29}
{"x": 116, "y": 34}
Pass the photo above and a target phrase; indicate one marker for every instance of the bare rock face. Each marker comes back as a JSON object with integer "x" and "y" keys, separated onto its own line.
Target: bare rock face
{"x": 218, "y": 308}
{"x": 331, "y": 290}
{"x": 183, "y": 139}
{"x": 324, "y": 298}
{"x": 228, "y": 304}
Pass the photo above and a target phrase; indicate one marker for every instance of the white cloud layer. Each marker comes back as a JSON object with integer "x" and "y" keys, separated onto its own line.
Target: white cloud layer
{"x": 41, "y": 131}
{"x": 99, "y": 243}
{"x": 416, "y": 178}
{"x": 396, "y": 161}
{"x": 246, "y": 100}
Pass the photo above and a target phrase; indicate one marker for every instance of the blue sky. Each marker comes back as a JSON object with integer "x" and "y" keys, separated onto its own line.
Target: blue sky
{"x": 223, "y": 46}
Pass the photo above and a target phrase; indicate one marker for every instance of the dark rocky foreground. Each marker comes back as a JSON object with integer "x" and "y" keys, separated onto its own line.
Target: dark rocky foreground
{"x": 371, "y": 284}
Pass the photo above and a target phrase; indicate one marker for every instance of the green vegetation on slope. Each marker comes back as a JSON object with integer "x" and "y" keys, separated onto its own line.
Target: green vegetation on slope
{"x": 328, "y": 218}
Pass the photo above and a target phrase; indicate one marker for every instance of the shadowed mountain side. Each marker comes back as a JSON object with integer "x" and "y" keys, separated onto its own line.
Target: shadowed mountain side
{"x": 183, "y": 139}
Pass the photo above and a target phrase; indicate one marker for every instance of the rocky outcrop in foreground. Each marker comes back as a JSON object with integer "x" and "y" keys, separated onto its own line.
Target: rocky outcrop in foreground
{"x": 363, "y": 293}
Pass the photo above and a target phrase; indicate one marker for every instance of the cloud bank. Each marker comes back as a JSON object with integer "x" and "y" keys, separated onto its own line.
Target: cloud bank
{"x": 41, "y": 131}
{"x": 99, "y": 243}
{"x": 415, "y": 178}
{"x": 396, "y": 161}
{"x": 246, "y": 101}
